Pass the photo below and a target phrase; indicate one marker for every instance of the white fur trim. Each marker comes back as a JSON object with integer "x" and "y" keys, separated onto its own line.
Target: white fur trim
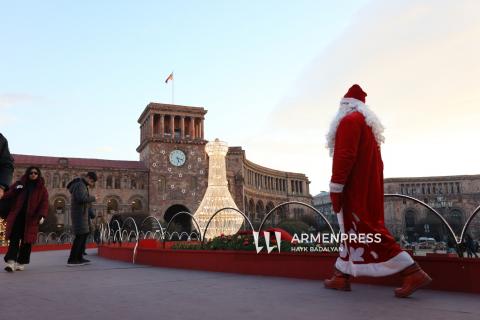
{"x": 349, "y": 105}
{"x": 336, "y": 187}
{"x": 379, "y": 269}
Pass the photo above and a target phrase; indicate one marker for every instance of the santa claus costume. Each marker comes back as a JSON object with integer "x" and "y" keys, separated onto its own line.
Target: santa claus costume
{"x": 356, "y": 191}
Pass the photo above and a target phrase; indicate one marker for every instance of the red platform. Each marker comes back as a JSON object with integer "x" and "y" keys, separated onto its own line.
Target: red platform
{"x": 448, "y": 273}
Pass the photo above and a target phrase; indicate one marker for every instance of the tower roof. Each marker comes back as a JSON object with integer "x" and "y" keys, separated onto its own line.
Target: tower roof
{"x": 172, "y": 109}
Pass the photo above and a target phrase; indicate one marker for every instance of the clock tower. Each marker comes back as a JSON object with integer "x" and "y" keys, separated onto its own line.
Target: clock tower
{"x": 172, "y": 147}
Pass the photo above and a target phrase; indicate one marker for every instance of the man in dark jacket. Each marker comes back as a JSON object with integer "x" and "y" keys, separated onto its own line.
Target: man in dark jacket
{"x": 80, "y": 204}
{"x": 6, "y": 165}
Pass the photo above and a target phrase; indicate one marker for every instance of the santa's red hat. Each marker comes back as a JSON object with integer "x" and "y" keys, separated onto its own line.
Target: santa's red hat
{"x": 356, "y": 92}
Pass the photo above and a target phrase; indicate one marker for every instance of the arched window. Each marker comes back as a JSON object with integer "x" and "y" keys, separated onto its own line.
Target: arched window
{"x": 251, "y": 208}
{"x": 410, "y": 219}
{"x": 410, "y": 225}
{"x": 269, "y": 207}
{"x": 48, "y": 179}
{"x": 117, "y": 182}
{"x": 136, "y": 205}
{"x": 260, "y": 210}
{"x": 56, "y": 180}
{"x": 59, "y": 205}
{"x": 65, "y": 180}
{"x": 273, "y": 216}
{"x": 112, "y": 206}
{"x": 455, "y": 219}
{"x": 109, "y": 182}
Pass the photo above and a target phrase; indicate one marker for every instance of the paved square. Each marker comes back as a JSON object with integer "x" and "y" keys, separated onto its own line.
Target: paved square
{"x": 106, "y": 289}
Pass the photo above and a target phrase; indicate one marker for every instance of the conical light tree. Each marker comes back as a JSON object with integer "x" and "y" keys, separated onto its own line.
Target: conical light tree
{"x": 217, "y": 196}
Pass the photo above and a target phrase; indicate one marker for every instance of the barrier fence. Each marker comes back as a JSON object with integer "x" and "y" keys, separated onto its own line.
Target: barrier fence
{"x": 129, "y": 231}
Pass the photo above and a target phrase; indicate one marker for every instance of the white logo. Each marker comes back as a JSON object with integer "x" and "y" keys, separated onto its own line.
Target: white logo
{"x": 266, "y": 234}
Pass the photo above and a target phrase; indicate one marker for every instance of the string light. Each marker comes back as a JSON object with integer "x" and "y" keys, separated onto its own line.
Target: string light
{"x": 218, "y": 196}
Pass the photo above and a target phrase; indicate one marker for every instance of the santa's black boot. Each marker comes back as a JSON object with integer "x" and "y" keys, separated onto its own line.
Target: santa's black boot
{"x": 414, "y": 278}
{"x": 339, "y": 281}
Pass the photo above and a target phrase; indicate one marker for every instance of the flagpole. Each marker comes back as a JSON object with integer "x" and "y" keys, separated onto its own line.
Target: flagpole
{"x": 173, "y": 90}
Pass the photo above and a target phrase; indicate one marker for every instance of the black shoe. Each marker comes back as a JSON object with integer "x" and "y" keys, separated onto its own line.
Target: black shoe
{"x": 75, "y": 263}
{"x": 85, "y": 261}
{"x": 85, "y": 254}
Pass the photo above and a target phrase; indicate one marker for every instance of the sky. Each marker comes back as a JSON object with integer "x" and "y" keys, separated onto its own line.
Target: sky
{"x": 75, "y": 76}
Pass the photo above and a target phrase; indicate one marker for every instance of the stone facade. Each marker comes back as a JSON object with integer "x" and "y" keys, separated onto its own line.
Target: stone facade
{"x": 173, "y": 187}
{"x": 454, "y": 197}
{"x": 121, "y": 186}
{"x": 263, "y": 189}
{"x": 168, "y": 128}
{"x": 172, "y": 173}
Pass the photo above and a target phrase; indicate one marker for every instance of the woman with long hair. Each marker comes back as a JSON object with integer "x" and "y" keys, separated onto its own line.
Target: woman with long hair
{"x": 29, "y": 208}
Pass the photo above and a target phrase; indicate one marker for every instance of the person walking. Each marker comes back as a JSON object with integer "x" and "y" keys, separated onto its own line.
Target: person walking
{"x": 470, "y": 246}
{"x": 91, "y": 216}
{"x": 356, "y": 192}
{"x": 29, "y": 208}
{"x": 80, "y": 203}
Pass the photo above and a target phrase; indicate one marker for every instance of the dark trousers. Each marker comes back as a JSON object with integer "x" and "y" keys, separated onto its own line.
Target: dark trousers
{"x": 471, "y": 253}
{"x": 18, "y": 250}
{"x": 84, "y": 246}
{"x": 78, "y": 246}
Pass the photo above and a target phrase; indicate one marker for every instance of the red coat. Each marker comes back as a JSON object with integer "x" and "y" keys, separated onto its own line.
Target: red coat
{"x": 37, "y": 207}
{"x": 358, "y": 166}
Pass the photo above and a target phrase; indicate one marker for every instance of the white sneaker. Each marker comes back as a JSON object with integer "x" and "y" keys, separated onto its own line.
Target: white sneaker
{"x": 10, "y": 266}
{"x": 19, "y": 267}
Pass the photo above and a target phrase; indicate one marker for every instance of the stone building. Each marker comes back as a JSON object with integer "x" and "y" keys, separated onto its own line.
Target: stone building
{"x": 121, "y": 186}
{"x": 172, "y": 147}
{"x": 454, "y": 197}
{"x": 171, "y": 175}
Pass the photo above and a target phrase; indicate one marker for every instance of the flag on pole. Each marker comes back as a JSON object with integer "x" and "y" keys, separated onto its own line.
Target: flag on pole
{"x": 170, "y": 77}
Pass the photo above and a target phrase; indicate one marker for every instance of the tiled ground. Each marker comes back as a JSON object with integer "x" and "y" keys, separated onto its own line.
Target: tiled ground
{"x": 106, "y": 289}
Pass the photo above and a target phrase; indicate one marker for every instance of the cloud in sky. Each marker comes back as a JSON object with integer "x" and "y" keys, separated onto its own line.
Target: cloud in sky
{"x": 418, "y": 62}
{"x": 11, "y": 100}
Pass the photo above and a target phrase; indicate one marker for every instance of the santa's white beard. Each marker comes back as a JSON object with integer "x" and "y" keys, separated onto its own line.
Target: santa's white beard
{"x": 349, "y": 105}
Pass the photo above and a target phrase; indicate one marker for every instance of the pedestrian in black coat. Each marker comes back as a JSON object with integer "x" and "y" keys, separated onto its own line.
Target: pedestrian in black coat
{"x": 470, "y": 246}
{"x": 80, "y": 204}
{"x": 6, "y": 165}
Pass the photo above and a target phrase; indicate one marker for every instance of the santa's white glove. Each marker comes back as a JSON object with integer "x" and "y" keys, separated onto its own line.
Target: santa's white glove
{"x": 41, "y": 220}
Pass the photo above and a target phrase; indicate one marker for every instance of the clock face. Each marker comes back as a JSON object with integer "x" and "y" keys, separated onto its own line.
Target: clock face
{"x": 177, "y": 158}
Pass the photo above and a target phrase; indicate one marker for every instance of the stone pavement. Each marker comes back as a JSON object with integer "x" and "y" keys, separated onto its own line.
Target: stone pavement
{"x": 106, "y": 289}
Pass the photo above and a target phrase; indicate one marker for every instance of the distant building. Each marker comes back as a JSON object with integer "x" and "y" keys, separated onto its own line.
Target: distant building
{"x": 322, "y": 203}
{"x": 454, "y": 197}
{"x": 171, "y": 175}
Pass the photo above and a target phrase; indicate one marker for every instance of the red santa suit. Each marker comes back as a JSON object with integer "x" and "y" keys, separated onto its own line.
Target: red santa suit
{"x": 357, "y": 191}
